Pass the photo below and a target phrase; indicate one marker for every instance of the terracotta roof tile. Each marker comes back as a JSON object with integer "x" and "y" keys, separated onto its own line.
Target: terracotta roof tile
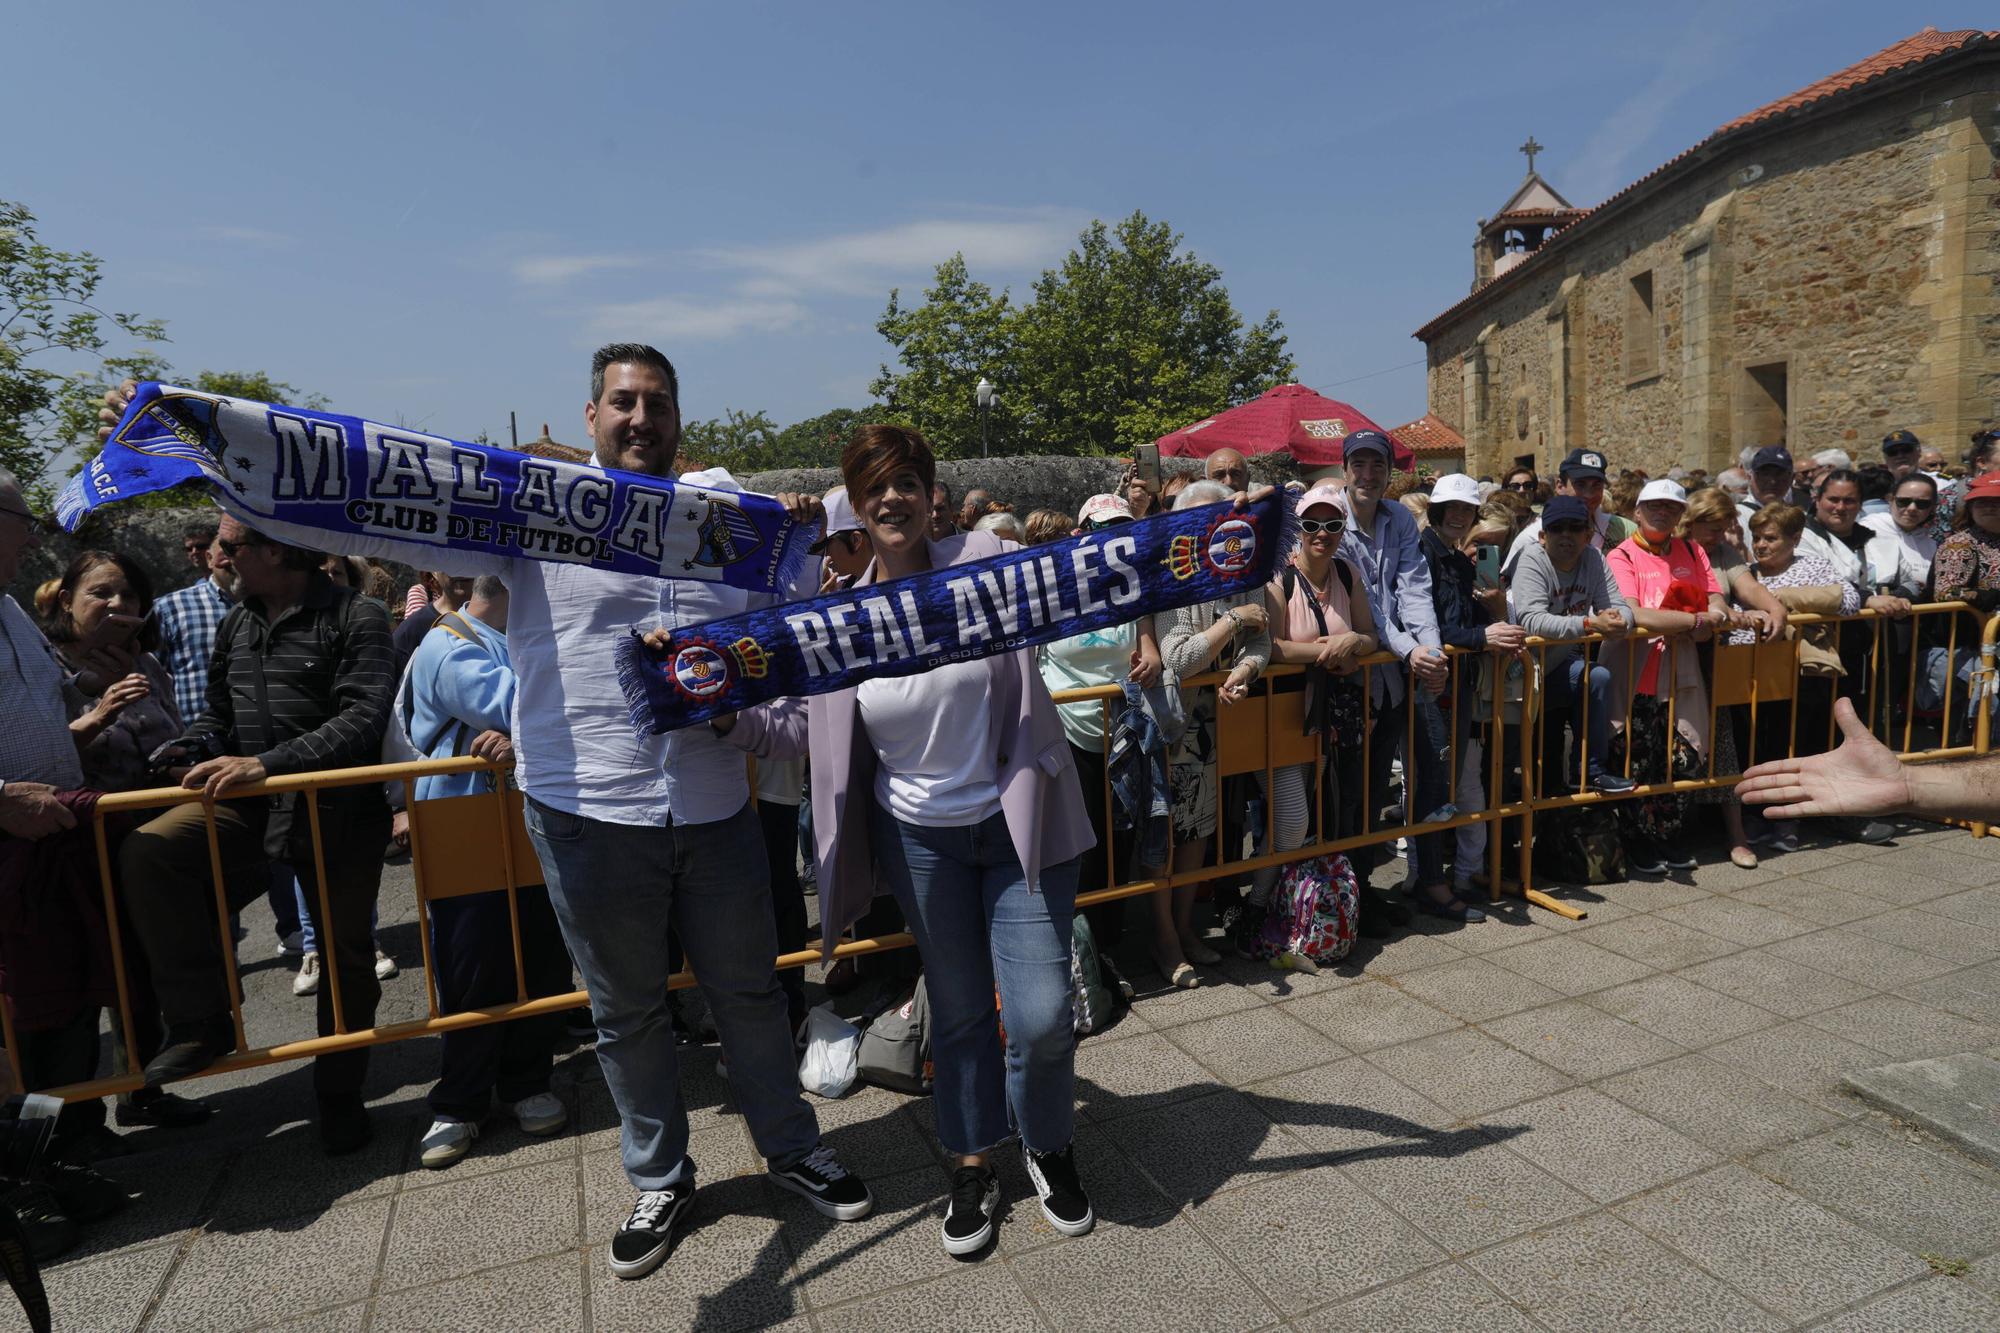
{"x": 1915, "y": 49}
{"x": 1428, "y": 435}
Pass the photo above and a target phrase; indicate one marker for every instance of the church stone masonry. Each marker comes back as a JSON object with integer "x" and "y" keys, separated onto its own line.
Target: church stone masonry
{"x": 1819, "y": 272}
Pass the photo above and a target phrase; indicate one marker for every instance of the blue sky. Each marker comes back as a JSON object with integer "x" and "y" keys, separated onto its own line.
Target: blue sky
{"x": 432, "y": 212}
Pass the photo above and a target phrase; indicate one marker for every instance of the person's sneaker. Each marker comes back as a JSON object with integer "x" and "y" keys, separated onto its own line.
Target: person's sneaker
{"x": 385, "y": 966}
{"x": 1054, "y": 1177}
{"x": 83, "y": 1194}
{"x": 446, "y": 1141}
{"x": 344, "y": 1126}
{"x": 1612, "y": 784}
{"x": 1679, "y": 860}
{"x": 154, "y": 1106}
{"x": 968, "y": 1222}
{"x": 826, "y": 1185}
{"x": 307, "y": 981}
{"x": 1785, "y": 839}
{"x": 289, "y": 945}
{"x": 48, "y": 1230}
{"x": 1644, "y": 859}
{"x": 541, "y": 1115}
{"x": 1246, "y": 926}
{"x": 1871, "y": 831}
{"x": 648, "y": 1233}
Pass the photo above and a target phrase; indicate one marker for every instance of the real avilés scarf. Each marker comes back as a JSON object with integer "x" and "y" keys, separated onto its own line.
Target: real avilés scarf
{"x": 320, "y": 480}
{"x": 1034, "y": 595}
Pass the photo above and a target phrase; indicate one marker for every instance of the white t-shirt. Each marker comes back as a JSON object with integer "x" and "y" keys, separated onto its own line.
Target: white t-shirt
{"x": 933, "y": 735}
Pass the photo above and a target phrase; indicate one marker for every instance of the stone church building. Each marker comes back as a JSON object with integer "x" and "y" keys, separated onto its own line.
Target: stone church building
{"x": 1819, "y": 272}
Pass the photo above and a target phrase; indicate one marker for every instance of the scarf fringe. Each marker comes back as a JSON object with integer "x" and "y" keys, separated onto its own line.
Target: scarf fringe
{"x": 629, "y": 654}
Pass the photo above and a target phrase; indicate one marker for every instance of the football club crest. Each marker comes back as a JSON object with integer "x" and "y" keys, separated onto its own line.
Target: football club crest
{"x": 726, "y": 536}
{"x": 1231, "y": 545}
{"x": 177, "y": 425}
{"x": 700, "y": 671}
{"x": 1180, "y": 561}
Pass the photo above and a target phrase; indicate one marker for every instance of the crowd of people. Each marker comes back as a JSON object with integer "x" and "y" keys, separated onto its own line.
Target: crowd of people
{"x": 963, "y": 804}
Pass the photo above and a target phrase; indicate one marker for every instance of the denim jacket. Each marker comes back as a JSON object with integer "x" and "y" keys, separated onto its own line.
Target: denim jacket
{"x": 1139, "y": 743}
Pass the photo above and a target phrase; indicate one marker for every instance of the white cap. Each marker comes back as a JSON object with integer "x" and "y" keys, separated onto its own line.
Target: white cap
{"x": 840, "y": 517}
{"x": 1455, "y": 488}
{"x": 1663, "y": 490}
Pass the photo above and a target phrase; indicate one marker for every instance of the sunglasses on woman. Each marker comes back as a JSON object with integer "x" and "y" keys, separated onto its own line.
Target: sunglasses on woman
{"x": 1916, "y": 502}
{"x": 1332, "y": 527}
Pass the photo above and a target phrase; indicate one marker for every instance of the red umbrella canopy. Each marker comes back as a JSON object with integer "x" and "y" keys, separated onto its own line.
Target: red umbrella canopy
{"x": 1288, "y": 419}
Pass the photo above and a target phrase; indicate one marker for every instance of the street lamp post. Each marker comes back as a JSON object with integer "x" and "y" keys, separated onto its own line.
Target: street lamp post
{"x": 986, "y": 398}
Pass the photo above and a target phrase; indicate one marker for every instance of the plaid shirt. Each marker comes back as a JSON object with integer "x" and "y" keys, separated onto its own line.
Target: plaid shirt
{"x": 187, "y": 620}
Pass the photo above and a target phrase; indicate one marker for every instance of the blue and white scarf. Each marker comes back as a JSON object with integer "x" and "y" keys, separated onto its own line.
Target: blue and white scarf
{"x": 1028, "y": 596}
{"x": 320, "y": 480}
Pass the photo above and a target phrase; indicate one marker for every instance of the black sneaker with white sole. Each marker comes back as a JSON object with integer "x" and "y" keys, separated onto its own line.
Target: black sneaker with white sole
{"x": 826, "y": 1185}
{"x": 1064, "y": 1203}
{"x": 648, "y": 1233}
{"x": 975, "y": 1197}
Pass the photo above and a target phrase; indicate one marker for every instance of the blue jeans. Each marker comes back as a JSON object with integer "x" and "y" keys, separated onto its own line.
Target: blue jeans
{"x": 308, "y": 937}
{"x": 1594, "y": 746}
{"x": 617, "y": 890}
{"x": 976, "y": 924}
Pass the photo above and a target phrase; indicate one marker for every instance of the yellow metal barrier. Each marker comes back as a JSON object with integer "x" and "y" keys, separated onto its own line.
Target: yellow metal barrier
{"x": 489, "y": 851}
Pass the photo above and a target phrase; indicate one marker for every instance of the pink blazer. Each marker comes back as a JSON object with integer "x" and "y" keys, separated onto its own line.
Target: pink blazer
{"x": 1039, "y": 791}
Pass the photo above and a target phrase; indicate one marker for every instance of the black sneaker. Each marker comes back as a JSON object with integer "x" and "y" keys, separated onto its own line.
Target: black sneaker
{"x": 83, "y": 1194}
{"x": 975, "y": 1197}
{"x": 1679, "y": 860}
{"x": 1644, "y": 859}
{"x": 826, "y": 1185}
{"x": 1064, "y": 1203}
{"x": 1613, "y": 784}
{"x": 47, "y": 1229}
{"x": 648, "y": 1233}
{"x": 1246, "y": 927}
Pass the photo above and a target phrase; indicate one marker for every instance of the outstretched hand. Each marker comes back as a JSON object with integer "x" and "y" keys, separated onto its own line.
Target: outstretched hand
{"x": 1862, "y": 777}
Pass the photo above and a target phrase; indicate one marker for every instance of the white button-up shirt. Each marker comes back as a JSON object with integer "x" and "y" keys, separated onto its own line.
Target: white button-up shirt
{"x": 575, "y": 747}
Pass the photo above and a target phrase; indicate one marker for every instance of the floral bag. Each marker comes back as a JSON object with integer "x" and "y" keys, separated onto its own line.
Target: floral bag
{"x": 1314, "y": 911}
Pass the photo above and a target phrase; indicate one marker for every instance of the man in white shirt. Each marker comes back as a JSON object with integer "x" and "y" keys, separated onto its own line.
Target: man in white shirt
{"x": 638, "y": 835}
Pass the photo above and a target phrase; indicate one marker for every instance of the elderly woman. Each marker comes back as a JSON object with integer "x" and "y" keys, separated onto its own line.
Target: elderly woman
{"x": 1806, "y": 584}
{"x": 1711, "y": 524}
{"x": 1229, "y": 632}
{"x": 1672, "y": 590}
{"x": 103, "y": 632}
{"x": 1005, "y": 526}
{"x": 956, "y": 786}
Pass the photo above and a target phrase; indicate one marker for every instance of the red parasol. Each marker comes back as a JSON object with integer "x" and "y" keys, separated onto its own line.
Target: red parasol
{"x": 1288, "y": 419}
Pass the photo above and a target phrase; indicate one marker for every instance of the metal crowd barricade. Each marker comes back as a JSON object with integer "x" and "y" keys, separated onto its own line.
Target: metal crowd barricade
{"x": 479, "y": 843}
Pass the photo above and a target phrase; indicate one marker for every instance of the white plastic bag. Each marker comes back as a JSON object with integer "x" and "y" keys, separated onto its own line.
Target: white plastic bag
{"x": 833, "y": 1047}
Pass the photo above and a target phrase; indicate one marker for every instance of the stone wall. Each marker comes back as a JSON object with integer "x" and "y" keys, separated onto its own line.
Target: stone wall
{"x": 1856, "y": 257}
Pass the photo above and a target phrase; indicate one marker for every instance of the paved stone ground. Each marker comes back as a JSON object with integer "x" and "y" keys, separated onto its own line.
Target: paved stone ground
{"x": 1630, "y": 1122}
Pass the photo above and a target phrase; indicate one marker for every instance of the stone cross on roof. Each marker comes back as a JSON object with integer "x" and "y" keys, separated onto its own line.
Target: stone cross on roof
{"x": 1531, "y": 148}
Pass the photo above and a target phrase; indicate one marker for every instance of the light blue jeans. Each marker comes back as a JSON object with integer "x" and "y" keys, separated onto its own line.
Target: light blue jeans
{"x": 980, "y": 929}
{"x": 617, "y": 890}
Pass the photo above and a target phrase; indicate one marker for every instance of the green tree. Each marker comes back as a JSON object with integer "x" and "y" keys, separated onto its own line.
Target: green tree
{"x": 736, "y": 440}
{"x": 1133, "y": 337}
{"x": 817, "y": 441}
{"x": 49, "y": 319}
{"x": 258, "y": 387}
{"x": 961, "y": 332}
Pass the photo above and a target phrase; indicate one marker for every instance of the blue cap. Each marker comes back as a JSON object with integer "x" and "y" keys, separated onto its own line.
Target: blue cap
{"x": 1564, "y": 509}
{"x": 1772, "y": 455}
{"x": 1367, "y": 439}
{"x": 1582, "y": 463}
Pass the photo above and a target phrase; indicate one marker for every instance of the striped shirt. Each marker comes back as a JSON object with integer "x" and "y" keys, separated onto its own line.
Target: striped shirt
{"x": 35, "y": 745}
{"x": 308, "y": 692}
{"x": 187, "y": 621}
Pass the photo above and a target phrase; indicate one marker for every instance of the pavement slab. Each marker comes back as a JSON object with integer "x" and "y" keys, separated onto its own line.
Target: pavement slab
{"x": 1956, "y": 1097}
{"x": 1927, "y": 1201}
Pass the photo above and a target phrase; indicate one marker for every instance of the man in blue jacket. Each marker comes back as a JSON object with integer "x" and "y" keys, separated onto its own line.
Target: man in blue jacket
{"x": 457, "y": 699}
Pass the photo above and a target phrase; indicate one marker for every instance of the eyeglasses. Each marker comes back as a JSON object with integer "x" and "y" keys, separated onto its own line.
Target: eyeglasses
{"x": 231, "y": 548}
{"x": 1332, "y": 527}
{"x": 1912, "y": 502}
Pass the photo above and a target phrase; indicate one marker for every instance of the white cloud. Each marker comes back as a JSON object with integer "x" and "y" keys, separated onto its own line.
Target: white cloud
{"x": 862, "y": 263}
{"x": 258, "y": 236}
{"x": 670, "y": 319}
{"x": 549, "y": 269}
{"x": 1698, "y": 54}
